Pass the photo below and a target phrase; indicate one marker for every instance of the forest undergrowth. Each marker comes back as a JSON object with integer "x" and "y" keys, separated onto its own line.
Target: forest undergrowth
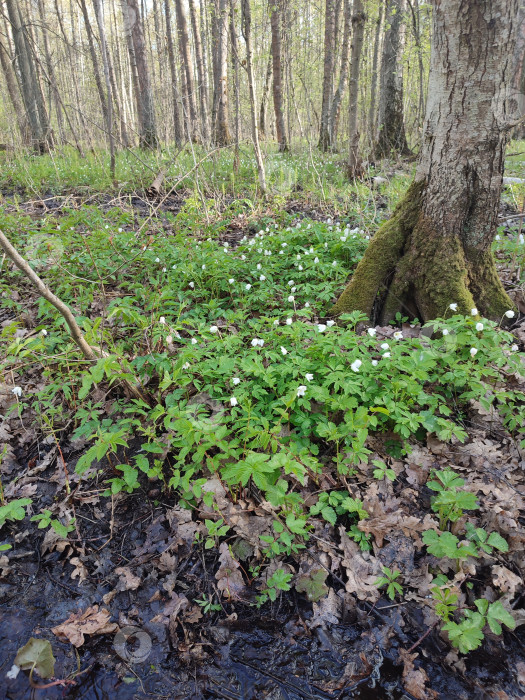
{"x": 281, "y": 464}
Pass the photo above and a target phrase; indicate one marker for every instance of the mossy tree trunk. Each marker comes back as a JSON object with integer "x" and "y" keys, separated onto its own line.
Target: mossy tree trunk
{"x": 436, "y": 248}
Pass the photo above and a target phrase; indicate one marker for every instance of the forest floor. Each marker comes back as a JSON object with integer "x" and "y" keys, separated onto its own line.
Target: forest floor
{"x": 297, "y": 509}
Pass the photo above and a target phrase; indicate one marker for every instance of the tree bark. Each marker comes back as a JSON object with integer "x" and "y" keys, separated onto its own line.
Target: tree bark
{"x": 144, "y": 96}
{"x": 247, "y": 33}
{"x": 221, "y": 127}
{"x": 325, "y": 141}
{"x": 372, "y": 117}
{"x": 30, "y": 87}
{"x": 190, "y": 109}
{"x": 109, "y": 102}
{"x": 275, "y": 19}
{"x": 201, "y": 72}
{"x": 355, "y": 165}
{"x": 12, "y": 89}
{"x": 177, "y": 119}
{"x": 436, "y": 248}
{"x": 391, "y": 124}
{"x": 264, "y": 97}
{"x": 343, "y": 75}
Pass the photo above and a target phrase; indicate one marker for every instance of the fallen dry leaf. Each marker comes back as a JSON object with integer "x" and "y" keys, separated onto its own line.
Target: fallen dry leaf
{"x": 229, "y": 578}
{"x": 91, "y": 621}
{"x": 414, "y": 680}
{"x": 127, "y": 579}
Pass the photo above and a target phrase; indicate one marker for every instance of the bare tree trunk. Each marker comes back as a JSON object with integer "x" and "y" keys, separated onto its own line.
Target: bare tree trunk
{"x": 247, "y": 34}
{"x": 221, "y": 128}
{"x": 144, "y": 98}
{"x": 177, "y": 121}
{"x": 190, "y": 109}
{"x": 518, "y": 82}
{"x": 94, "y": 61}
{"x": 372, "y": 117}
{"x": 30, "y": 87}
{"x": 201, "y": 72}
{"x": 325, "y": 141}
{"x": 264, "y": 97}
{"x": 109, "y": 121}
{"x": 275, "y": 18}
{"x": 12, "y": 89}
{"x": 236, "y": 84}
{"x": 51, "y": 71}
{"x": 335, "y": 110}
{"x": 436, "y": 248}
{"x": 391, "y": 124}
{"x": 355, "y": 166}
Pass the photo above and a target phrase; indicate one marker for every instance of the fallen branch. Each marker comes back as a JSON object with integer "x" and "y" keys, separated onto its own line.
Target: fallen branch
{"x": 89, "y": 352}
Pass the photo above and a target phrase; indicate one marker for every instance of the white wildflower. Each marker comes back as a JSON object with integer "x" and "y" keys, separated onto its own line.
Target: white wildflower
{"x": 291, "y": 298}
{"x": 473, "y": 351}
{"x": 510, "y": 313}
{"x": 321, "y": 327}
{"x": 398, "y": 335}
{"x": 162, "y": 321}
{"x": 473, "y": 312}
{"x": 309, "y": 376}
{"x": 479, "y": 326}
{"x": 248, "y": 287}
{"x": 289, "y": 321}
{"x": 213, "y": 329}
{"x": 330, "y": 323}
{"x": 372, "y": 332}
{"x": 17, "y": 391}
{"x": 301, "y": 391}
{"x": 514, "y": 347}
{"x": 385, "y": 346}
{"x": 453, "y": 307}
{"x": 284, "y": 350}
{"x": 356, "y": 364}
{"x": 233, "y": 401}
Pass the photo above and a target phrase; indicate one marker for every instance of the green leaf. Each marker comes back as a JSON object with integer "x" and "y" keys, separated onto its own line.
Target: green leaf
{"x": 497, "y": 614}
{"x": 37, "y": 655}
{"x": 468, "y": 635}
{"x": 313, "y": 584}
{"x": 496, "y": 540}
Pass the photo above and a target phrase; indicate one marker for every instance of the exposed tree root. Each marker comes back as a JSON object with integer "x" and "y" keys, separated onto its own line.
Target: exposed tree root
{"x": 412, "y": 268}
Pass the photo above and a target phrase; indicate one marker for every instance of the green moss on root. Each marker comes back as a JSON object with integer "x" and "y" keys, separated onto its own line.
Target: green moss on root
{"x": 382, "y": 256}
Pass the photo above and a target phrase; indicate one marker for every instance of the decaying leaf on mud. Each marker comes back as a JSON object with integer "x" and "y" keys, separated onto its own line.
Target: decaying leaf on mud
{"x": 91, "y": 621}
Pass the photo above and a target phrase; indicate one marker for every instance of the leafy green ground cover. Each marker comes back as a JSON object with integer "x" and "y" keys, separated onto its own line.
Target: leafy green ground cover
{"x": 247, "y": 380}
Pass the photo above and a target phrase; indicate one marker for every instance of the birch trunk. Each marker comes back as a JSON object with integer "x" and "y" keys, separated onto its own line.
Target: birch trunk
{"x": 436, "y": 248}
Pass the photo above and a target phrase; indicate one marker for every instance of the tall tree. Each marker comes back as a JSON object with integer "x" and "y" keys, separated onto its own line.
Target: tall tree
{"x": 247, "y": 34}
{"x": 12, "y": 89}
{"x": 134, "y": 31}
{"x": 436, "y": 248}
{"x": 30, "y": 86}
{"x": 178, "y": 130}
{"x": 372, "y": 116}
{"x": 109, "y": 101}
{"x": 358, "y": 31}
{"x": 335, "y": 109}
{"x": 325, "y": 141}
{"x": 201, "y": 71}
{"x": 391, "y": 121}
{"x": 221, "y": 125}
{"x": 190, "y": 109}
{"x": 276, "y": 24}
